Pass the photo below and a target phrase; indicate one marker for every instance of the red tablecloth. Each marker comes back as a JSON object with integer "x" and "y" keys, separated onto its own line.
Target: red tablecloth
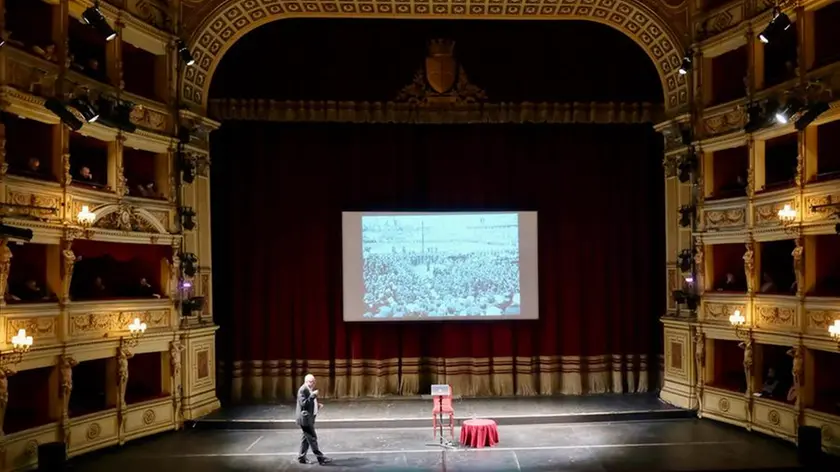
{"x": 479, "y": 433}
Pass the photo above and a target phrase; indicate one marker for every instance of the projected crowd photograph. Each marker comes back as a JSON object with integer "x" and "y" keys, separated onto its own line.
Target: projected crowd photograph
{"x": 441, "y": 265}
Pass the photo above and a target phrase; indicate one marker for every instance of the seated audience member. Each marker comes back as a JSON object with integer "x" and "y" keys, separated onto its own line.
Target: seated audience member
{"x": 145, "y": 289}
{"x": 30, "y": 292}
{"x": 97, "y": 289}
{"x": 34, "y": 165}
{"x": 739, "y": 185}
{"x": 771, "y": 384}
{"x": 148, "y": 190}
{"x": 85, "y": 176}
{"x": 730, "y": 284}
{"x": 767, "y": 284}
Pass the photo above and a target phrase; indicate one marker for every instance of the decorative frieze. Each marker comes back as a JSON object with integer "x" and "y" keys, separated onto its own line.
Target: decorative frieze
{"x": 89, "y": 324}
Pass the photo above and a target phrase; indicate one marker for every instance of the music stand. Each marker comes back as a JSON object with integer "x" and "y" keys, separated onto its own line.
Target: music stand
{"x": 438, "y": 392}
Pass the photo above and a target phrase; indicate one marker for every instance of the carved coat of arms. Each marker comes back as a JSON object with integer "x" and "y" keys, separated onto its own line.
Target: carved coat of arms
{"x": 441, "y": 67}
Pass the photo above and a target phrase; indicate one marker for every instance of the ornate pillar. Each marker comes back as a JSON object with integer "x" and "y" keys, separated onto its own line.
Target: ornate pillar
{"x": 176, "y": 347}
{"x": 700, "y": 368}
{"x": 798, "y": 267}
{"x": 65, "y": 366}
{"x": 5, "y": 267}
{"x": 749, "y": 267}
{"x": 5, "y": 373}
{"x": 747, "y": 346}
{"x": 123, "y": 355}
{"x": 699, "y": 266}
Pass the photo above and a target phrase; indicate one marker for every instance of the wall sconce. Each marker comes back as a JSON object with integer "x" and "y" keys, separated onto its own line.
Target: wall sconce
{"x": 686, "y": 215}
{"x": 787, "y": 215}
{"x": 86, "y": 218}
{"x": 834, "y": 332}
{"x": 187, "y": 218}
{"x": 21, "y": 344}
{"x": 135, "y": 331}
{"x": 738, "y": 321}
{"x": 189, "y": 264}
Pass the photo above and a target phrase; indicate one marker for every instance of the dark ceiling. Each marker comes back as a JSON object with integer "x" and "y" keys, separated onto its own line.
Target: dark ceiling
{"x": 308, "y": 59}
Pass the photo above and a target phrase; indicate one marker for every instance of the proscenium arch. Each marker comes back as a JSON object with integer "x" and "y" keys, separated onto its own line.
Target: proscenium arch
{"x": 234, "y": 19}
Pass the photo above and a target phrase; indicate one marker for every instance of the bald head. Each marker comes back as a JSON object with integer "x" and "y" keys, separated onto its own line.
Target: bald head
{"x": 309, "y": 380}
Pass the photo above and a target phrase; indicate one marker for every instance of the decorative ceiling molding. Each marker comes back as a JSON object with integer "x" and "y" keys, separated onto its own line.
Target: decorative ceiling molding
{"x": 436, "y": 113}
{"x": 225, "y": 24}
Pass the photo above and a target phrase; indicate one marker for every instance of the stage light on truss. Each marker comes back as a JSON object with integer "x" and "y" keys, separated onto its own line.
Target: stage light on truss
{"x": 685, "y": 67}
{"x": 66, "y": 116}
{"x": 787, "y": 113}
{"x": 811, "y": 113}
{"x": 83, "y": 105}
{"x": 778, "y": 25}
{"x": 185, "y": 54}
{"x": 93, "y": 17}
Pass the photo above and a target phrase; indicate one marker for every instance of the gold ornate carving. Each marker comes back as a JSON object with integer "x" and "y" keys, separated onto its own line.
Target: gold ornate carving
{"x": 31, "y": 75}
{"x": 236, "y": 17}
{"x": 442, "y": 80}
{"x": 68, "y": 258}
{"x": 29, "y": 200}
{"x": 65, "y": 368}
{"x": 731, "y": 218}
{"x": 720, "y": 311}
{"x": 5, "y": 267}
{"x": 176, "y": 347}
{"x": 123, "y": 355}
{"x": 749, "y": 266}
{"x": 93, "y": 431}
{"x": 391, "y": 112}
{"x": 796, "y": 352}
{"x": 723, "y": 404}
{"x": 774, "y": 418}
{"x": 820, "y": 214}
{"x": 699, "y": 365}
{"x": 768, "y": 213}
{"x": 798, "y": 266}
{"x": 776, "y": 315}
{"x": 149, "y": 417}
{"x": 125, "y": 218}
{"x": 820, "y": 320}
{"x": 725, "y": 122}
{"x": 719, "y": 21}
{"x": 747, "y": 346}
{"x": 38, "y": 327}
{"x": 5, "y": 373}
{"x": 162, "y": 217}
{"x": 147, "y": 118}
{"x": 98, "y": 323}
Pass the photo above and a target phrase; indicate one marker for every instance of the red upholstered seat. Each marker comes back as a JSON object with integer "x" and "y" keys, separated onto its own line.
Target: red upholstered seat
{"x": 443, "y": 406}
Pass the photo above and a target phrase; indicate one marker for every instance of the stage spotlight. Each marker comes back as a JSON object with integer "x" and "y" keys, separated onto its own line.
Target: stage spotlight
{"x": 185, "y": 54}
{"x": 685, "y": 67}
{"x": 96, "y": 19}
{"x": 686, "y": 215}
{"x": 189, "y": 264}
{"x": 812, "y": 112}
{"x": 83, "y": 105}
{"x": 188, "y": 170}
{"x": 66, "y": 116}
{"x": 187, "y": 218}
{"x": 686, "y": 166}
{"x": 779, "y": 24}
{"x": 685, "y": 257}
{"x": 116, "y": 114}
{"x": 756, "y": 119}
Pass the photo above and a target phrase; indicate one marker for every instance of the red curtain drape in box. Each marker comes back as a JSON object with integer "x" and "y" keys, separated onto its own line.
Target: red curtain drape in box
{"x": 278, "y": 193}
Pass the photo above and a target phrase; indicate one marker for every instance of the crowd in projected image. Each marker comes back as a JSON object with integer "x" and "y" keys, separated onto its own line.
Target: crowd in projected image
{"x": 441, "y": 265}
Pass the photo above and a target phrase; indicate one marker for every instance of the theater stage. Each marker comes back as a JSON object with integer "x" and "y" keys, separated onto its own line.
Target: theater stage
{"x": 414, "y": 412}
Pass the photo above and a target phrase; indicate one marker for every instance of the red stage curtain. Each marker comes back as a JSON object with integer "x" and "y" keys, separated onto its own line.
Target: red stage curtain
{"x": 278, "y": 193}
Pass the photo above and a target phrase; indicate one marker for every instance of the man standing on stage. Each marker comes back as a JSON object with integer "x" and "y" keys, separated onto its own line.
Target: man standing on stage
{"x": 305, "y": 413}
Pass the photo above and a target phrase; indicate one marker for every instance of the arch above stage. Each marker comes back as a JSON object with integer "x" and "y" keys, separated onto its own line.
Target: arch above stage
{"x": 233, "y": 19}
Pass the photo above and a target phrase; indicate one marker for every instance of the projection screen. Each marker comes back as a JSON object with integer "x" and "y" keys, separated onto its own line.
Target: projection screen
{"x": 440, "y": 266}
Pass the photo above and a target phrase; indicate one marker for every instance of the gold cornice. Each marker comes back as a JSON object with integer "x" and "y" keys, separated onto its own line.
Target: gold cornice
{"x": 223, "y": 25}
{"x": 393, "y": 112}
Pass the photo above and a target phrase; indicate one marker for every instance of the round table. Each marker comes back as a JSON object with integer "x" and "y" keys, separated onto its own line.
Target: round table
{"x": 479, "y": 433}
